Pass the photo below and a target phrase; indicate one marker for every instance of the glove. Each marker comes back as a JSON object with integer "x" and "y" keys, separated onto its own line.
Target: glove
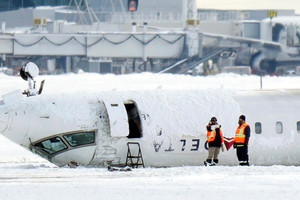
{"x": 234, "y": 145}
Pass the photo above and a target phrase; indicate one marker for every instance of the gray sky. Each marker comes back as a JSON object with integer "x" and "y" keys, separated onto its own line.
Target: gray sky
{"x": 250, "y": 4}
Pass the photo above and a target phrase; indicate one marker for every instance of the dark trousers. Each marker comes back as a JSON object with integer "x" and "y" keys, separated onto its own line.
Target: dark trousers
{"x": 242, "y": 155}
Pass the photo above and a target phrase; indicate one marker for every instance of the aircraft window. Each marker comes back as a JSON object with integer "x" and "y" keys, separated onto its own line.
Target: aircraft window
{"x": 258, "y": 128}
{"x": 52, "y": 145}
{"x": 279, "y": 127}
{"x": 298, "y": 126}
{"x": 77, "y": 139}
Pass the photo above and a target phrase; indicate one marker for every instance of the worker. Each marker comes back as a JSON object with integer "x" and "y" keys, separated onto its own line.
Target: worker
{"x": 241, "y": 141}
{"x": 215, "y": 142}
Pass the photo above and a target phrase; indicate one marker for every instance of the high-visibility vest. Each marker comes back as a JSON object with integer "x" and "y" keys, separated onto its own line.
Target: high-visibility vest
{"x": 240, "y": 133}
{"x": 211, "y": 135}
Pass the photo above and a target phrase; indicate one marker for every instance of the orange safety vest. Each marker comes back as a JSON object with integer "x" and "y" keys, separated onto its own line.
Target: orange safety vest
{"x": 240, "y": 133}
{"x": 211, "y": 136}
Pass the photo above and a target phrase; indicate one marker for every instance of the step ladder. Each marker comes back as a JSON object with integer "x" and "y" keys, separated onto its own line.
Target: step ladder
{"x": 134, "y": 161}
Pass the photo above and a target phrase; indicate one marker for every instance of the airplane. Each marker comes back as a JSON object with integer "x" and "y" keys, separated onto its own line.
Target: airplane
{"x": 161, "y": 128}
{"x": 273, "y": 44}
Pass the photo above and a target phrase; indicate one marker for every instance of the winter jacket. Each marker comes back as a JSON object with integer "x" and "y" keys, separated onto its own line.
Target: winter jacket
{"x": 215, "y": 137}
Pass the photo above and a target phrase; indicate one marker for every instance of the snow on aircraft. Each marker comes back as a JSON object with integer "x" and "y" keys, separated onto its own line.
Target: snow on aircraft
{"x": 167, "y": 126}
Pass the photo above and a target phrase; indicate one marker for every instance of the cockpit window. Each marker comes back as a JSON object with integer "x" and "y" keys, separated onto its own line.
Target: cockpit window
{"x": 77, "y": 139}
{"x": 52, "y": 145}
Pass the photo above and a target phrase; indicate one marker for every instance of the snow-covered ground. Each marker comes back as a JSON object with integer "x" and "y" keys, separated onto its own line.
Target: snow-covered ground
{"x": 39, "y": 181}
{"x": 26, "y": 176}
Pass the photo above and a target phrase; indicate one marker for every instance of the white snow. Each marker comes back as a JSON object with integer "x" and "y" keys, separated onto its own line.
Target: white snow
{"x": 32, "y": 181}
{"x": 26, "y": 176}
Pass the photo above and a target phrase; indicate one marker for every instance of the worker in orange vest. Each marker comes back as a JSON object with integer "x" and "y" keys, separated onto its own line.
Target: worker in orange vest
{"x": 215, "y": 142}
{"x": 241, "y": 141}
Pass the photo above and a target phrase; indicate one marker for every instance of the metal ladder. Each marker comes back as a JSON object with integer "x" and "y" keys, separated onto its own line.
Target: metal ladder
{"x": 131, "y": 158}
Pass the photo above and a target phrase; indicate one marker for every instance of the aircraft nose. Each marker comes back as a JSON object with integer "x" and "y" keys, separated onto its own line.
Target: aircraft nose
{"x": 3, "y": 120}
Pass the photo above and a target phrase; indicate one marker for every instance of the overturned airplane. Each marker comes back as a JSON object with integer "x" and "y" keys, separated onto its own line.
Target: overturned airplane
{"x": 155, "y": 128}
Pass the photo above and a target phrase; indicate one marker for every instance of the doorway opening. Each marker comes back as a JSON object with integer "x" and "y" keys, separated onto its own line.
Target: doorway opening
{"x": 134, "y": 121}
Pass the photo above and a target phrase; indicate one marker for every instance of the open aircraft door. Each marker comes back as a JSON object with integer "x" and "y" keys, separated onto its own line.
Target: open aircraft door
{"x": 118, "y": 119}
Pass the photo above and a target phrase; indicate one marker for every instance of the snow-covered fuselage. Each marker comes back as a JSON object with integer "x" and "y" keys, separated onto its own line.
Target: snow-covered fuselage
{"x": 94, "y": 129}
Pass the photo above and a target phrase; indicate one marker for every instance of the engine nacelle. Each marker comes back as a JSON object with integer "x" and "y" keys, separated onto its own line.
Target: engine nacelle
{"x": 260, "y": 64}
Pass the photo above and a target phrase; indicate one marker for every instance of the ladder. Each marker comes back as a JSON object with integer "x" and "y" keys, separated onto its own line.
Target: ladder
{"x": 134, "y": 161}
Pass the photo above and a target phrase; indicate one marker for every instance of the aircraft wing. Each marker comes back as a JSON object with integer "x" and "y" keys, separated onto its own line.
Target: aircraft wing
{"x": 228, "y": 40}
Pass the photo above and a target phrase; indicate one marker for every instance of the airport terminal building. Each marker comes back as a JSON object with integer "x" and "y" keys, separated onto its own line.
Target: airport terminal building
{"x": 125, "y": 36}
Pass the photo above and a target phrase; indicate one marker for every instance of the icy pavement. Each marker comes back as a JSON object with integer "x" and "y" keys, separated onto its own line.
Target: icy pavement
{"x": 45, "y": 181}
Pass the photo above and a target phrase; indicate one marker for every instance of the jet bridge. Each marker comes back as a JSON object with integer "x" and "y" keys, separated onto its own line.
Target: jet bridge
{"x": 95, "y": 45}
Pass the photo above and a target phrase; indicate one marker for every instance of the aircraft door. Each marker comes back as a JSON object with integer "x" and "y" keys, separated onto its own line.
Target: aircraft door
{"x": 118, "y": 119}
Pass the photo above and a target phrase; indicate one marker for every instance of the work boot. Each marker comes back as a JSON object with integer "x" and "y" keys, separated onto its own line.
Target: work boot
{"x": 207, "y": 162}
{"x": 244, "y": 163}
{"x": 215, "y": 162}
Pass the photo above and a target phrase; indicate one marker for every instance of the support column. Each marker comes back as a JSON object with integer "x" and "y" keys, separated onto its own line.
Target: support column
{"x": 145, "y": 40}
{"x": 51, "y": 65}
{"x": 68, "y": 64}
